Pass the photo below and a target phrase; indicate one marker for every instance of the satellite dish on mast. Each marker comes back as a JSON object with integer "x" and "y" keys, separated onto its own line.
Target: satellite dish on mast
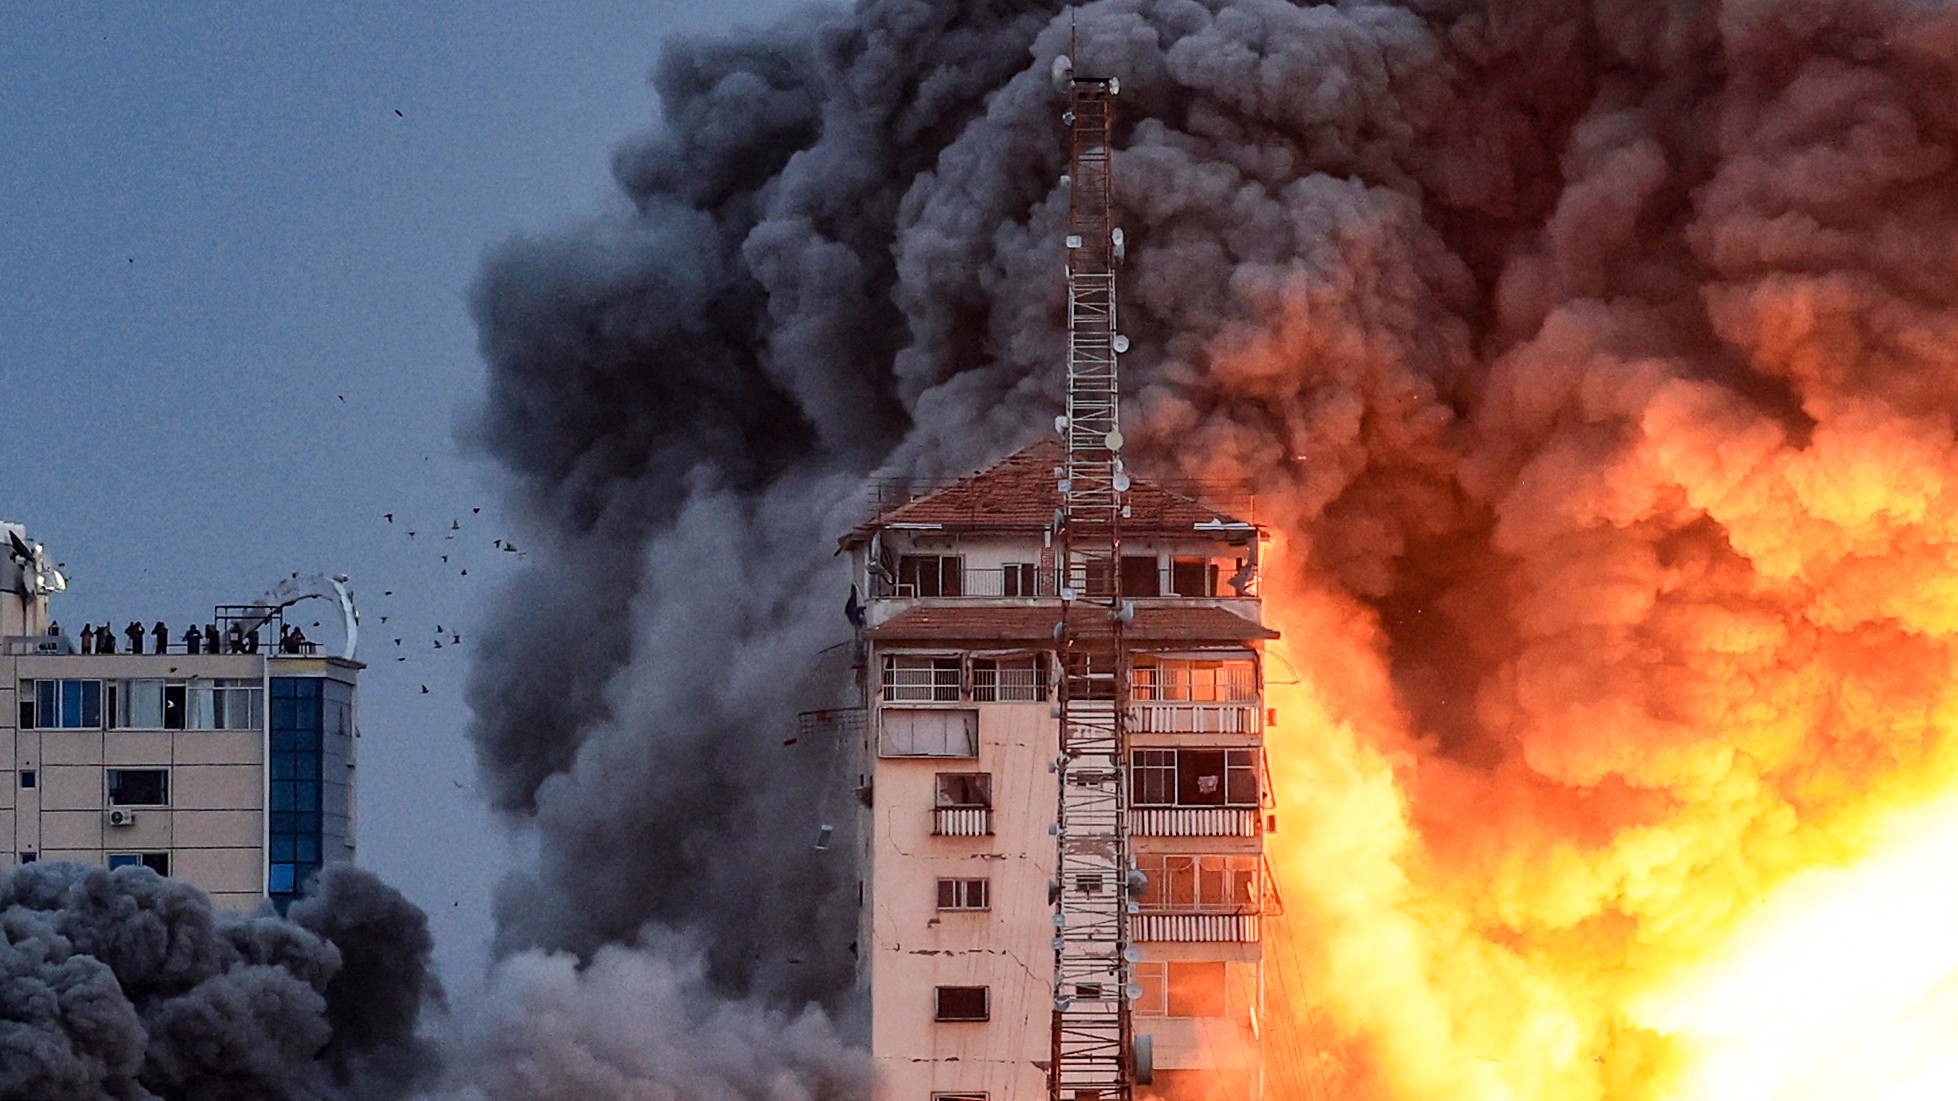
{"x": 1113, "y": 441}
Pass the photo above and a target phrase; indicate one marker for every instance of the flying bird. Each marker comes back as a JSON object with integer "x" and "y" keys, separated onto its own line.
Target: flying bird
{"x": 475, "y": 510}
{"x": 424, "y": 689}
{"x": 398, "y": 114}
{"x": 455, "y": 525}
{"x": 388, "y": 516}
{"x": 445, "y": 558}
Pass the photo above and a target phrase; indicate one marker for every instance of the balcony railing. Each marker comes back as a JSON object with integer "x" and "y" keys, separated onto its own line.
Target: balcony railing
{"x": 1241, "y": 928}
{"x": 1038, "y": 581}
{"x": 962, "y": 821}
{"x": 1151, "y": 717}
{"x": 934, "y": 685}
{"x": 1193, "y": 822}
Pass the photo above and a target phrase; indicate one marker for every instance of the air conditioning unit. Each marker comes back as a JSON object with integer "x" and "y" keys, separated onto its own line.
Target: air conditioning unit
{"x": 120, "y": 817}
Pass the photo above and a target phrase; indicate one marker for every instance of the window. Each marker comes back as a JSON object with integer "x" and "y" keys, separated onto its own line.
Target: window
{"x": 138, "y": 705}
{"x": 1193, "y": 777}
{"x": 139, "y": 787}
{"x": 1180, "y": 680}
{"x": 909, "y": 732}
{"x": 28, "y": 858}
{"x": 930, "y": 575}
{"x": 61, "y": 705}
{"x": 1200, "y": 884}
{"x": 1139, "y": 577}
{"x": 964, "y": 894}
{"x": 1019, "y": 579}
{"x": 921, "y": 678}
{"x": 1181, "y": 989}
{"x": 965, "y": 789}
{"x": 962, "y": 1003}
{"x": 28, "y": 778}
{"x": 222, "y": 704}
{"x": 156, "y": 862}
{"x": 1009, "y": 680}
{"x": 1193, "y": 577}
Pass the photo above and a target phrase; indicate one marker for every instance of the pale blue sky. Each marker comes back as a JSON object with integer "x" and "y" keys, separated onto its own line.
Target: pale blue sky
{"x": 234, "y": 331}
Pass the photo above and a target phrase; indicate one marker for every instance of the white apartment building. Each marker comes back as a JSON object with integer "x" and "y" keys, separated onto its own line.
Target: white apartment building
{"x": 962, "y": 671}
{"x": 231, "y": 770}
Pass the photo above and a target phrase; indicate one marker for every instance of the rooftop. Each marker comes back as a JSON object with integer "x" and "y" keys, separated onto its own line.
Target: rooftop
{"x": 1021, "y": 492}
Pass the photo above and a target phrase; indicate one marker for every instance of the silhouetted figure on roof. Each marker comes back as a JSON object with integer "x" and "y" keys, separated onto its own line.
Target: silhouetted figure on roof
{"x": 210, "y": 638}
{"x": 161, "y": 635}
{"x": 234, "y": 638}
{"x": 193, "y": 639}
{"x": 134, "y": 633}
{"x": 105, "y": 639}
{"x": 299, "y": 641}
{"x": 251, "y": 641}
{"x": 88, "y": 638}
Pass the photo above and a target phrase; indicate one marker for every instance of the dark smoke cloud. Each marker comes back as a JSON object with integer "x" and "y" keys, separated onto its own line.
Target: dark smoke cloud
{"x": 122, "y": 984}
{"x": 551, "y": 1028}
{"x": 1449, "y": 282}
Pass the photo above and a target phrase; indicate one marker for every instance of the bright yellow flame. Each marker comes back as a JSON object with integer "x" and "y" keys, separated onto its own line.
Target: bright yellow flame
{"x": 1844, "y": 985}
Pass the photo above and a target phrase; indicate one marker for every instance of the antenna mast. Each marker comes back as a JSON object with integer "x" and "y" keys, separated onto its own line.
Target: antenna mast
{"x": 1092, "y": 1037}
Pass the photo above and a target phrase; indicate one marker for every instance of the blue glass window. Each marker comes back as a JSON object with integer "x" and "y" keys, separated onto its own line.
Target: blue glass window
{"x": 298, "y": 732}
{"x": 68, "y": 704}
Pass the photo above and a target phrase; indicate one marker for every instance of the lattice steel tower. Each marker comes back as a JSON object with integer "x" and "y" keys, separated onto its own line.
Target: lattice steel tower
{"x": 1092, "y": 1038}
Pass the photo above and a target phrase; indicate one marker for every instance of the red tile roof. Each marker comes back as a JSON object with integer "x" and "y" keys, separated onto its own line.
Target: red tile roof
{"x": 1021, "y": 492}
{"x": 1152, "y": 623}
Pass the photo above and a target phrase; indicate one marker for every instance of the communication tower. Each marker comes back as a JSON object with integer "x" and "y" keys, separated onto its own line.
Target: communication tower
{"x": 1092, "y": 1035}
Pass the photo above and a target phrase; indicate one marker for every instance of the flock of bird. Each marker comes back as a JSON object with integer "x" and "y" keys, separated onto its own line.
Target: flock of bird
{"x": 450, "y": 551}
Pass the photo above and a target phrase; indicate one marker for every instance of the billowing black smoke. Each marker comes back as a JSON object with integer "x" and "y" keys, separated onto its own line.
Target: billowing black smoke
{"x": 1430, "y": 274}
{"x": 125, "y": 985}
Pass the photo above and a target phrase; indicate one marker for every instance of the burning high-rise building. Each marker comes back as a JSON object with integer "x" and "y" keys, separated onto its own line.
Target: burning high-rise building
{"x": 1062, "y": 762}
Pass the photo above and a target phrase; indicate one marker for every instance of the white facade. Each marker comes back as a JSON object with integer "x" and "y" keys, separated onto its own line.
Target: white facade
{"x": 958, "y": 852}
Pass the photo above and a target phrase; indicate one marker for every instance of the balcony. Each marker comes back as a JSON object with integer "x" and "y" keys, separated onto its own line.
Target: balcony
{"x": 947, "y": 577}
{"x": 1193, "y": 822}
{"x": 962, "y": 821}
{"x": 1196, "y": 928}
{"x": 1164, "y": 717}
